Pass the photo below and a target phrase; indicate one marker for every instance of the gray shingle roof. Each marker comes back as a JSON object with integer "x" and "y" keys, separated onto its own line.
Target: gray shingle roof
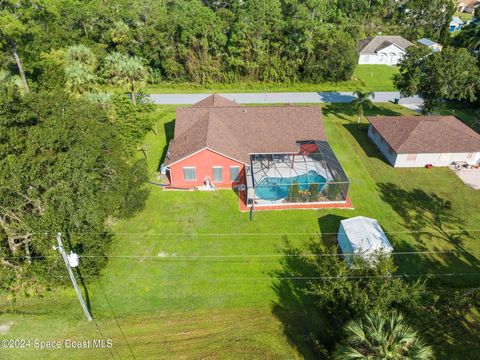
{"x": 238, "y": 131}
{"x": 426, "y": 134}
{"x": 372, "y": 45}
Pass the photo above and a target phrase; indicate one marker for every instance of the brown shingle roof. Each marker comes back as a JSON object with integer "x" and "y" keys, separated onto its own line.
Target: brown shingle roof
{"x": 216, "y": 100}
{"x": 238, "y": 131}
{"x": 426, "y": 134}
{"x": 372, "y": 45}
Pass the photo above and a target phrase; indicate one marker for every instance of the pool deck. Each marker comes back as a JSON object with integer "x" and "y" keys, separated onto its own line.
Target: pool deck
{"x": 306, "y": 206}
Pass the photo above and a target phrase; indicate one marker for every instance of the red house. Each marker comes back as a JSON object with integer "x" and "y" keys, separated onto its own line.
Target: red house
{"x": 276, "y": 155}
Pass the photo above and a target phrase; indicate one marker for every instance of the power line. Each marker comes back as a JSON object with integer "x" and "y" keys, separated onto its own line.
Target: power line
{"x": 103, "y": 337}
{"x": 248, "y": 278}
{"x": 118, "y": 325}
{"x": 254, "y": 234}
{"x": 279, "y": 255}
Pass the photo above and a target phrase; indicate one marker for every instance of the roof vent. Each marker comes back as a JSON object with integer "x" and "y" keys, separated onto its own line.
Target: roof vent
{"x": 244, "y": 110}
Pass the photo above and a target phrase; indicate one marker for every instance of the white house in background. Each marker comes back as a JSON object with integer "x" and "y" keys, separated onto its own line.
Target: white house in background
{"x": 416, "y": 141}
{"x": 432, "y": 45}
{"x": 383, "y": 50}
{"x": 362, "y": 236}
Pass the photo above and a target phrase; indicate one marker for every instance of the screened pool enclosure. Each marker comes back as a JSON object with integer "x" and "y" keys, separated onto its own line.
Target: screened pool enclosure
{"x": 313, "y": 175}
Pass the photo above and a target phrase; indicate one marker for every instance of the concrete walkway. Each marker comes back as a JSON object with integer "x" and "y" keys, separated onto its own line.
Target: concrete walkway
{"x": 283, "y": 98}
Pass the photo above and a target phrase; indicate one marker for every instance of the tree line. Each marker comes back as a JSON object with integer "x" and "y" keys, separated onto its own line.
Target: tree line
{"x": 214, "y": 40}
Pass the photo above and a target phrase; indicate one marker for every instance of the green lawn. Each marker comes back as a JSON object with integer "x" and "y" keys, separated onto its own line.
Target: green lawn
{"x": 204, "y": 286}
{"x": 365, "y": 77}
{"x": 464, "y": 16}
{"x": 467, "y": 114}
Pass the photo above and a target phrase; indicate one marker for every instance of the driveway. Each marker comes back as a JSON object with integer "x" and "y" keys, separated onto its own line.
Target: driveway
{"x": 470, "y": 177}
{"x": 283, "y": 98}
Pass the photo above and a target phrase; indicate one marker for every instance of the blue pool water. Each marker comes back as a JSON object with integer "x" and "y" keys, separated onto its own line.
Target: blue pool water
{"x": 277, "y": 188}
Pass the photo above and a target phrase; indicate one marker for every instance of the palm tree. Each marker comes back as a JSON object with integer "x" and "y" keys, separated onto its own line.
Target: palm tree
{"x": 80, "y": 67}
{"x": 382, "y": 337}
{"x": 126, "y": 71}
{"x": 363, "y": 99}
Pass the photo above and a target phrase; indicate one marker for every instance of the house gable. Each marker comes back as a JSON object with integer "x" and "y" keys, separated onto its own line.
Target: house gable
{"x": 395, "y": 49}
{"x": 203, "y": 162}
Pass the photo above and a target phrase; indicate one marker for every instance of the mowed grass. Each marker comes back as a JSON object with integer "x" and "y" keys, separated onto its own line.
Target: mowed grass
{"x": 464, "y": 16}
{"x": 365, "y": 77}
{"x": 468, "y": 115}
{"x": 192, "y": 277}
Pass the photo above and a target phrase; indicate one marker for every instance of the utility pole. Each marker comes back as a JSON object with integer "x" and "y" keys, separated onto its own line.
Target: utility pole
{"x": 61, "y": 250}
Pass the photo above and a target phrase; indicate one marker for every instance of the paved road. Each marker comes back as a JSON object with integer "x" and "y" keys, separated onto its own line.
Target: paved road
{"x": 285, "y": 97}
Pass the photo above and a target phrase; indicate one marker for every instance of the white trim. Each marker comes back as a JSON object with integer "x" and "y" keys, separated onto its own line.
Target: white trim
{"x": 206, "y": 148}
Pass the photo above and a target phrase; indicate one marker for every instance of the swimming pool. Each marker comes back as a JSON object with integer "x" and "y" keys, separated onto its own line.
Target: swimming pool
{"x": 277, "y": 188}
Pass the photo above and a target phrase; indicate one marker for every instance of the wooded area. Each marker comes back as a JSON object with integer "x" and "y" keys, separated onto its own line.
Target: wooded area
{"x": 214, "y": 40}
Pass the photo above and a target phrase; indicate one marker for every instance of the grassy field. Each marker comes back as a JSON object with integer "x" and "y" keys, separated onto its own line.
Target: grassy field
{"x": 365, "y": 77}
{"x": 192, "y": 277}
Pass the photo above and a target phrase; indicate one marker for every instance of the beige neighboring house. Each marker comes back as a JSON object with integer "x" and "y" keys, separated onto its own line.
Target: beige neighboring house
{"x": 416, "y": 141}
{"x": 467, "y": 6}
{"x": 382, "y": 50}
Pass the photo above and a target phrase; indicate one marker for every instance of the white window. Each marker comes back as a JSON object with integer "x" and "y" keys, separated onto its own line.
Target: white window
{"x": 234, "y": 173}
{"x": 217, "y": 173}
{"x": 189, "y": 173}
{"x": 411, "y": 157}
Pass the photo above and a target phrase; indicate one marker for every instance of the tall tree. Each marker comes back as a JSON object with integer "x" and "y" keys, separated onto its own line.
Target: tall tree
{"x": 63, "y": 168}
{"x": 127, "y": 71}
{"x": 420, "y": 18}
{"x": 11, "y": 27}
{"x": 20, "y": 22}
{"x": 381, "y": 336}
{"x": 451, "y": 74}
{"x": 469, "y": 38}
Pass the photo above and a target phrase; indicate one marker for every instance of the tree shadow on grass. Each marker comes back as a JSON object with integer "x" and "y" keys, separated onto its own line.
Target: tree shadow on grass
{"x": 329, "y": 225}
{"x": 346, "y": 111}
{"x": 305, "y": 326}
{"x": 434, "y": 227}
{"x": 169, "y": 128}
{"x": 360, "y": 133}
{"x": 456, "y": 334}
